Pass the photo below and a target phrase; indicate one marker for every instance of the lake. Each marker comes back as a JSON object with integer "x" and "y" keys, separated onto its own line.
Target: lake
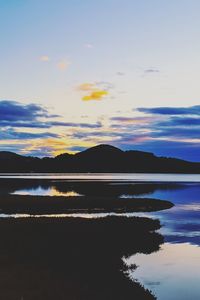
{"x": 173, "y": 272}
{"x": 107, "y": 176}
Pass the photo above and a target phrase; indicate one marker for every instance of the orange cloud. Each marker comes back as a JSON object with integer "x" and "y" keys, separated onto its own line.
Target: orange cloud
{"x": 86, "y": 86}
{"x": 95, "y": 95}
{"x": 52, "y": 146}
{"x": 94, "y": 91}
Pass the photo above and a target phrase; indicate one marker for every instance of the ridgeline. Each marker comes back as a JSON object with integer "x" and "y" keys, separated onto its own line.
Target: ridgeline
{"x": 101, "y": 158}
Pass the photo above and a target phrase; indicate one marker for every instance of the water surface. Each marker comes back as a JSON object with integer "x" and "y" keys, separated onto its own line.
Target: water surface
{"x": 107, "y": 176}
{"x": 173, "y": 272}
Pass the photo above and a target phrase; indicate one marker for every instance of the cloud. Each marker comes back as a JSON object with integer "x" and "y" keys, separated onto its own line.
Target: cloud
{"x": 89, "y": 135}
{"x": 120, "y": 73}
{"x": 176, "y": 126}
{"x": 35, "y": 130}
{"x": 105, "y": 85}
{"x": 96, "y": 91}
{"x": 44, "y": 58}
{"x": 26, "y": 124}
{"x": 11, "y": 134}
{"x": 184, "y": 150}
{"x": 49, "y": 145}
{"x": 173, "y": 133}
{"x": 133, "y": 120}
{"x": 191, "y": 110}
{"x": 17, "y": 115}
{"x": 73, "y": 124}
{"x": 48, "y": 124}
{"x": 151, "y": 71}
{"x": 53, "y": 146}
{"x": 180, "y": 121}
{"x": 86, "y": 86}
{"x": 14, "y": 111}
{"x": 63, "y": 65}
{"x": 77, "y": 148}
{"x": 95, "y": 95}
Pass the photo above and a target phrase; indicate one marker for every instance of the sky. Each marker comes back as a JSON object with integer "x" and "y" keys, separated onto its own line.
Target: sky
{"x": 75, "y": 74}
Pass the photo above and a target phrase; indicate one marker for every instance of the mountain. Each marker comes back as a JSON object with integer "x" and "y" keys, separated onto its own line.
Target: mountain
{"x": 9, "y": 155}
{"x": 101, "y": 158}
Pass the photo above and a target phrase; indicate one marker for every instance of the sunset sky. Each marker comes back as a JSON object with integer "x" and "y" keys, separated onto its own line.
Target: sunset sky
{"x": 74, "y": 74}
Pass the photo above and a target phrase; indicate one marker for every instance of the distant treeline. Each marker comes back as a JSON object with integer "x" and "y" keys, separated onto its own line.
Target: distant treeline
{"x": 102, "y": 158}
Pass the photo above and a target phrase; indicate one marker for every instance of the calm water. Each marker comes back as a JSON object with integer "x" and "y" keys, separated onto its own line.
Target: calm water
{"x": 107, "y": 176}
{"x": 173, "y": 272}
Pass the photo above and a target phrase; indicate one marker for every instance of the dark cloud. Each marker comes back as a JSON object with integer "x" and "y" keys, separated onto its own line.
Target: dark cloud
{"x": 17, "y": 147}
{"x": 14, "y": 111}
{"x": 72, "y": 124}
{"x": 133, "y": 120}
{"x": 191, "y": 110}
{"x": 21, "y": 124}
{"x": 181, "y": 121}
{"x": 17, "y": 115}
{"x": 177, "y": 132}
{"x": 167, "y": 131}
{"x": 123, "y": 119}
{"x": 48, "y": 124}
{"x": 182, "y": 150}
{"x": 89, "y": 135}
{"x": 11, "y": 134}
{"x": 112, "y": 137}
{"x": 77, "y": 148}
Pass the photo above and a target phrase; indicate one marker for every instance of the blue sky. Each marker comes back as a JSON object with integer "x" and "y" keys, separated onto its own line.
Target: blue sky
{"x": 87, "y": 72}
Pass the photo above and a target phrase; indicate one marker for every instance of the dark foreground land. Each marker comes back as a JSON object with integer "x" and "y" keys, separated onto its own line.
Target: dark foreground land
{"x": 10, "y": 204}
{"x": 73, "y": 258}
{"x": 95, "y": 197}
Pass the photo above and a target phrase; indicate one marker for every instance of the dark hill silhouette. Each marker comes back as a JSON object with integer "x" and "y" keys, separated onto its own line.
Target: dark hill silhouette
{"x": 101, "y": 158}
{"x": 9, "y": 155}
{"x": 101, "y": 150}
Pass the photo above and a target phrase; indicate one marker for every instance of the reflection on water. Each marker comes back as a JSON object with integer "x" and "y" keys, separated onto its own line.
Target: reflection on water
{"x": 174, "y": 271}
{"x": 181, "y": 224}
{"x": 171, "y": 273}
{"x": 49, "y": 191}
{"x": 134, "y": 177}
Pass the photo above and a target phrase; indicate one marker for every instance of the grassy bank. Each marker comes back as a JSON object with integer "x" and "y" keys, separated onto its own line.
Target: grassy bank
{"x": 58, "y": 204}
{"x": 72, "y": 258}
